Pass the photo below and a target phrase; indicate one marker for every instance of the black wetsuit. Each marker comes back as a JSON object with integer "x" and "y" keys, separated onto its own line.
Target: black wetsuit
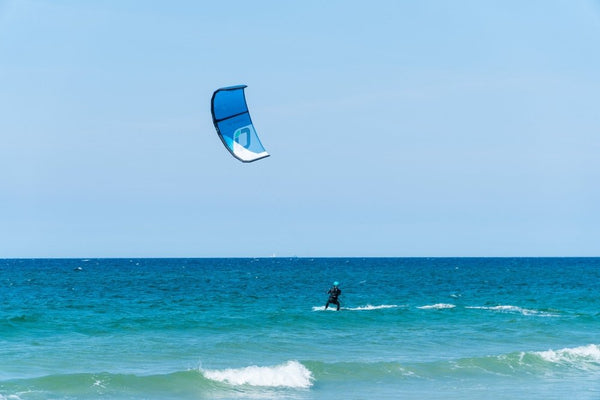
{"x": 334, "y": 292}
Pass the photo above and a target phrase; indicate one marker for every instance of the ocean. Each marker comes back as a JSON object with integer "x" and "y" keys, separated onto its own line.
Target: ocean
{"x": 409, "y": 328}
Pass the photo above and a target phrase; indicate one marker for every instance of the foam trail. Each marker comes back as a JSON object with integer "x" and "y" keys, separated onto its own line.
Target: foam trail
{"x": 439, "y": 306}
{"x": 368, "y": 307}
{"x": 292, "y": 374}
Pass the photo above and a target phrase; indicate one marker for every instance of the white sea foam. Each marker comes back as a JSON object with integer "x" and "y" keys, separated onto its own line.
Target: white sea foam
{"x": 99, "y": 383}
{"x": 515, "y": 309}
{"x": 583, "y": 357}
{"x": 291, "y": 374}
{"x": 438, "y": 306}
{"x": 9, "y": 397}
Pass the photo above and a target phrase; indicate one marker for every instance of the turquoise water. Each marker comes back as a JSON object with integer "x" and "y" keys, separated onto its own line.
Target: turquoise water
{"x": 456, "y": 328}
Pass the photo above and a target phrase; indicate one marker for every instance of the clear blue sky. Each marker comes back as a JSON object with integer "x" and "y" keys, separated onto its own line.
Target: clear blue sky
{"x": 396, "y": 128}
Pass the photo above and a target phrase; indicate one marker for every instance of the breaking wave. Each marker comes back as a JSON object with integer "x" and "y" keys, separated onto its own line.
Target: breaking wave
{"x": 583, "y": 357}
{"x": 292, "y": 374}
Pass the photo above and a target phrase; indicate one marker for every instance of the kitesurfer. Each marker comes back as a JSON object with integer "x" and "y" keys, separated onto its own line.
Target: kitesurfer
{"x": 334, "y": 292}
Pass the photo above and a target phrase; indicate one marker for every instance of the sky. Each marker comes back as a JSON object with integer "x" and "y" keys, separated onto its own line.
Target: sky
{"x": 395, "y": 128}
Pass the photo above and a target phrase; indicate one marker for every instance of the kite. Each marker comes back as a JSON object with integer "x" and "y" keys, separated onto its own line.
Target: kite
{"x": 233, "y": 124}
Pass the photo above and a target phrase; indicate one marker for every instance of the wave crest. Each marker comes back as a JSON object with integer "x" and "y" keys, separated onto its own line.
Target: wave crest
{"x": 292, "y": 374}
{"x": 582, "y": 357}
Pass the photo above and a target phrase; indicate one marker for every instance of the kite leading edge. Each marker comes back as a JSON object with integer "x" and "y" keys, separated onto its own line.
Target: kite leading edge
{"x": 233, "y": 124}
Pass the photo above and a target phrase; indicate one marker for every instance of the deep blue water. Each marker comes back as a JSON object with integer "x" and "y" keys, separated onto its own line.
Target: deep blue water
{"x": 411, "y": 328}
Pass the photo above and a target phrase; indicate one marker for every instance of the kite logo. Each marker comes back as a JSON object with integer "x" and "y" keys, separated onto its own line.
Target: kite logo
{"x": 244, "y": 133}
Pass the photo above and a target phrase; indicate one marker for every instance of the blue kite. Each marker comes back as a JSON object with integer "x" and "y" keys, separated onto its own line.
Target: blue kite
{"x": 234, "y": 126}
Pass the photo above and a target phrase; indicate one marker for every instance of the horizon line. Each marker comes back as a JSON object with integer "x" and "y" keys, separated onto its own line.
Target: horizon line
{"x": 272, "y": 257}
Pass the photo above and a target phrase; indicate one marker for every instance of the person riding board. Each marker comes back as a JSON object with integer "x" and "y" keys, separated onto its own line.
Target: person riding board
{"x": 334, "y": 292}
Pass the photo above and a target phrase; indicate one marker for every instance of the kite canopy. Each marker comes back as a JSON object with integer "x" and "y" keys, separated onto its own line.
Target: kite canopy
{"x": 234, "y": 126}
